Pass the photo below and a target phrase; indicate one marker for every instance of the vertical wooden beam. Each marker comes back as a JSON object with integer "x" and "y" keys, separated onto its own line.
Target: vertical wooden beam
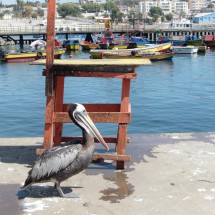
{"x": 50, "y": 33}
{"x": 59, "y": 91}
{"x": 50, "y": 99}
{"x": 50, "y": 45}
{"x": 122, "y": 128}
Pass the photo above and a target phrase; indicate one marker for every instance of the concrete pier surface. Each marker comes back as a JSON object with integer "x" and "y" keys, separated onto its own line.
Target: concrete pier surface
{"x": 169, "y": 174}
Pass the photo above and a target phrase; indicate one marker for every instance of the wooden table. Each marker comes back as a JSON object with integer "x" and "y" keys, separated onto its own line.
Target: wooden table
{"x": 56, "y": 111}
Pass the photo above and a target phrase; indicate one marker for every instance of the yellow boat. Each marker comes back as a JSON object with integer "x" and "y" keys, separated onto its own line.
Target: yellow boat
{"x": 153, "y": 56}
{"x": 98, "y": 54}
{"x": 71, "y": 44}
{"x": 30, "y": 56}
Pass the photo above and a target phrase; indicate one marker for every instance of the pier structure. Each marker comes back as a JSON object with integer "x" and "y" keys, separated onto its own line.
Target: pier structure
{"x": 26, "y": 34}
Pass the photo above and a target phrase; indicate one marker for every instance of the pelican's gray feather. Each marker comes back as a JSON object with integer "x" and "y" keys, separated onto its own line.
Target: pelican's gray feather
{"x": 52, "y": 163}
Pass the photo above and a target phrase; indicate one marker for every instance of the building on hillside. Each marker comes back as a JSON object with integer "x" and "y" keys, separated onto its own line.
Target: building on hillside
{"x": 167, "y": 6}
{"x": 145, "y": 6}
{"x": 204, "y": 18}
{"x": 197, "y": 5}
{"x": 180, "y": 6}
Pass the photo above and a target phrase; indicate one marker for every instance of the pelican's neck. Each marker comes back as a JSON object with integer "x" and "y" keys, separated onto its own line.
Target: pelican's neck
{"x": 88, "y": 139}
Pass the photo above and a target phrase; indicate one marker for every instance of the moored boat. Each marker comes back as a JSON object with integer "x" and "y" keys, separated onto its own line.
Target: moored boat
{"x": 122, "y": 42}
{"x": 29, "y": 56}
{"x": 184, "y": 49}
{"x": 88, "y": 45}
{"x": 71, "y": 44}
{"x": 209, "y": 40}
{"x": 98, "y": 54}
{"x": 153, "y": 56}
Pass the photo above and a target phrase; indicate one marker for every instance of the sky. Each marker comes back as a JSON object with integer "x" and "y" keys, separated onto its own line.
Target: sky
{"x": 6, "y": 2}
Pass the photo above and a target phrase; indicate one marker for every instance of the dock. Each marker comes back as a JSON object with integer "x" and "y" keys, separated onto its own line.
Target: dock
{"x": 168, "y": 174}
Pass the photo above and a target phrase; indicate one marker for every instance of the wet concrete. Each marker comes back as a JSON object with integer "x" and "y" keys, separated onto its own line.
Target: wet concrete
{"x": 168, "y": 174}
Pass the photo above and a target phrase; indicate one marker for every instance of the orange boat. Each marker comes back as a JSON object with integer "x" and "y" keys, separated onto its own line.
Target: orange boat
{"x": 87, "y": 45}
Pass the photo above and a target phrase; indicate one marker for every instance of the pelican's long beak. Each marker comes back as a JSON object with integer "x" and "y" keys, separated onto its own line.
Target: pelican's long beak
{"x": 84, "y": 117}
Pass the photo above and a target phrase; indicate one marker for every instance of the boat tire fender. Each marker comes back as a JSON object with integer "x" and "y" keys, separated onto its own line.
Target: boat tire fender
{"x": 39, "y": 55}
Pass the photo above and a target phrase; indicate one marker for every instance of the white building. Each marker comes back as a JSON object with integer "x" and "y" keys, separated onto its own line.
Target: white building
{"x": 144, "y": 7}
{"x": 197, "y": 5}
{"x": 167, "y": 6}
{"x": 180, "y": 6}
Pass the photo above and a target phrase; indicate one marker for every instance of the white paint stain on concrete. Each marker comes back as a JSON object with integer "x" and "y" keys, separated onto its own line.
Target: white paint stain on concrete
{"x": 202, "y": 189}
{"x": 10, "y": 169}
{"x": 34, "y": 206}
{"x": 186, "y": 198}
{"x": 209, "y": 197}
{"x": 138, "y": 200}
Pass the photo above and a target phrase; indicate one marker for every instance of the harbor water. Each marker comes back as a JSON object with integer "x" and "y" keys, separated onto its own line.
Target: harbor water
{"x": 169, "y": 96}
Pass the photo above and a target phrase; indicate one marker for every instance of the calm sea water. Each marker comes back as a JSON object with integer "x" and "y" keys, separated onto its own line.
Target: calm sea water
{"x": 169, "y": 96}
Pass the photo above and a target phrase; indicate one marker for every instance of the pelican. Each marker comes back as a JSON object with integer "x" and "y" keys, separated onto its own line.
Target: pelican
{"x": 59, "y": 163}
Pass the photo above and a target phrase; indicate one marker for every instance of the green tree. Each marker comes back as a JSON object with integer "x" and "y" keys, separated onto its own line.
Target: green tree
{"x": 40, "y": 12}
{"x": 155, "y": 11}
{"x": 110, "y": 6}
{"x": 155, "y": 17}
{"x": 28, "y": 9}
{"x": 68, "y": 9}
{"x": 169, "y": 17}
{"x": 18, "y": 8}
{"x": 91, "y": 7}
{"x": 140, "y": 17}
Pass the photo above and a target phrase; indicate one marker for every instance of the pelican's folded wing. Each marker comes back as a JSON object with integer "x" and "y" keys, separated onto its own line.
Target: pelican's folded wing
{"x": 54, "y": 160}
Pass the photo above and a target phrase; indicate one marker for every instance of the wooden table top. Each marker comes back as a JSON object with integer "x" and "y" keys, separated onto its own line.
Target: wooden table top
{"x": 96, "y": 62}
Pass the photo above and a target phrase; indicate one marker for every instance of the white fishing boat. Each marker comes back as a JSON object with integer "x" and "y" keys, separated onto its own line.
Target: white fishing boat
{"x": 184, "y": 49}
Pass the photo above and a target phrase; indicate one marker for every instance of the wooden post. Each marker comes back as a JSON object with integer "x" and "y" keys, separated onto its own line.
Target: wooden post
{"x": 59, "y": 91}
{"x": 50, "y": 96}
{"x": 122, "y": 128}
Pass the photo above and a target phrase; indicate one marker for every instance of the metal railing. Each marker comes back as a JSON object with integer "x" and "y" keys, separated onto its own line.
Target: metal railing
{"x": 81, "y": 29}
{"x": 17, "y": 30}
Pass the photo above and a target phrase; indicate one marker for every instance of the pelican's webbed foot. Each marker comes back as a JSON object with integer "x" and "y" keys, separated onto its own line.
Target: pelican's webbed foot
{"x": 67, "y": 195}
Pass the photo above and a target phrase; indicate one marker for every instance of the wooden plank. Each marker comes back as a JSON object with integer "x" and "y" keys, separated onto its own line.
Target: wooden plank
{"x": 99, "y": 156}
{"x": 92, "y": 71}
{"x": 105, "y": 117}
{"x": 114, "y": 157}
{"x": 97, "y": 107}
{"x": 95, "y": 74}
{"x": 107, "y": 139}
{"x": 96, "y": 62}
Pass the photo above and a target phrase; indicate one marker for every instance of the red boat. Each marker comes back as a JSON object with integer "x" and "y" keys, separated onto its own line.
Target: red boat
{"x": 88, "y": 46}
{"x": 209, "y": 40}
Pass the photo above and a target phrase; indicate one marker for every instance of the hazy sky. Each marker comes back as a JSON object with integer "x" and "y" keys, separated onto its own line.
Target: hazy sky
{"x": 14, "y": 1}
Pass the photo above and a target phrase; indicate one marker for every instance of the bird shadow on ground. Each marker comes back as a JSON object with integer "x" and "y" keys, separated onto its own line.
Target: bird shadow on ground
{"x": 37, "y": 191}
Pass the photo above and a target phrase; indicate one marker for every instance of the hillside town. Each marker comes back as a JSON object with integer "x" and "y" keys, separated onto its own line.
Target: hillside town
{"x": 175, "y": 13}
